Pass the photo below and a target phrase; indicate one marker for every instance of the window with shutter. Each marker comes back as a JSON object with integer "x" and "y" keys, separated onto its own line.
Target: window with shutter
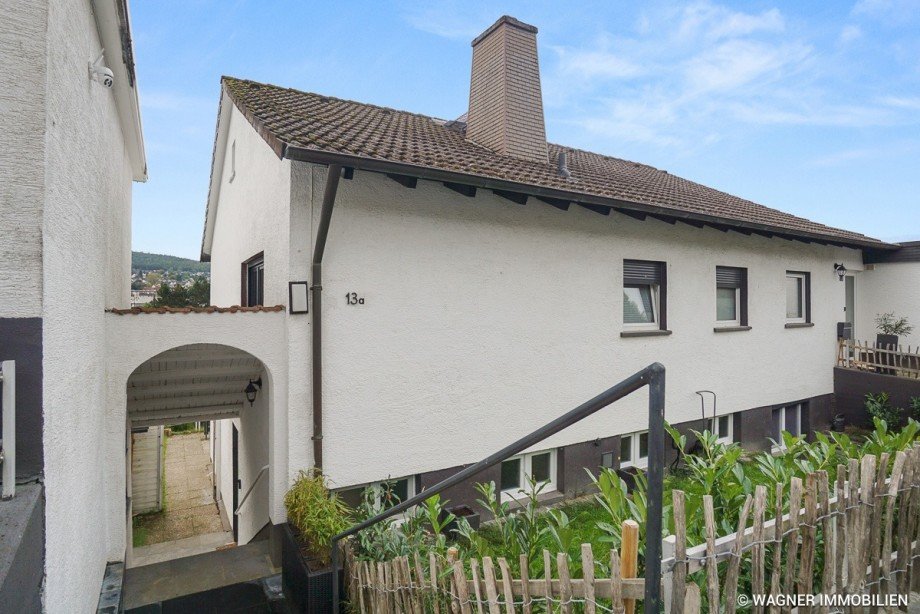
{"x": 644, "y": 292}
{"x": 731, "y": 296}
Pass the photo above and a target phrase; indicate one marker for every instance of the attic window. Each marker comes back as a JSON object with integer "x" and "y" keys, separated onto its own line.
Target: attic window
{"x": 232, "y": 161}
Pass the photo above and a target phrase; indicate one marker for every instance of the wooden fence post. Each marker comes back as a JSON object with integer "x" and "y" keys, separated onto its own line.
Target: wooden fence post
{"x": 679, "y": 574}
{"x": 587, "y": 573}
{"x": 712, "y": 564}
{"x": 734, "y": 565}
{"x": 629, "y": 557}
{"x": 525, "y": 585}
{"x": 616, "y": 586}
{"x": 758, "y": 551}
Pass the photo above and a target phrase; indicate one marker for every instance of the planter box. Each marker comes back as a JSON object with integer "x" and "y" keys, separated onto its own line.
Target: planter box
{"x": 307, "y": 590}
{"x": 460, "y": 511}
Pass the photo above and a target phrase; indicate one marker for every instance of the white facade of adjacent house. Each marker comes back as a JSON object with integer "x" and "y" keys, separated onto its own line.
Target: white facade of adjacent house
{"x": 892, "y": 286}
{"x": 71, "y": 150}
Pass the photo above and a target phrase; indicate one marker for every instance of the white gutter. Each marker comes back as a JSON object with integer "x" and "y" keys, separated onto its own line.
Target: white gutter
{"x": 114, "y": 29}
{"x": 224, "y": 111}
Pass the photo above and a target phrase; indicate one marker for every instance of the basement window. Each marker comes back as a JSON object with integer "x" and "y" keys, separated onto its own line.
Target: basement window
{"x": 386, "y": 493}
{"x": 721, "y": 427}
{"x": 634, "y": 450}
{"x": 541, "y": 466}
{"x": 788, "y": 419}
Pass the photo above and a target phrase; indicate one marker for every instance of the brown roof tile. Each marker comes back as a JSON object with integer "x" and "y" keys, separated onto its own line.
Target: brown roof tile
{"x": 209, "y": 309}
{"x": 289, "y": 119}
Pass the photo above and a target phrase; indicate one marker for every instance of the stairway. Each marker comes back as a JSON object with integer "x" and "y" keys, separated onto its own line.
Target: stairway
{"x": 240, "y": 580}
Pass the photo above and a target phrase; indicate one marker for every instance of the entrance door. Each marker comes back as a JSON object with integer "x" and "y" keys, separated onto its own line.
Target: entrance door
{"x": 236, "y": 483}
{"x": 850, "y": 316}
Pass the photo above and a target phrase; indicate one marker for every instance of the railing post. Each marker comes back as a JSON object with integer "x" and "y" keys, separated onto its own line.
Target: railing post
{"x": 655, "y": 488}
{"x": 8, "y": 376}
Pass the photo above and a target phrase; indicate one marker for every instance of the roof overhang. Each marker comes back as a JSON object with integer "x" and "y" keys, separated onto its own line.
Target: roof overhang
{"x": 217, "y": 171}
{"x": 114, "y": 29}
{"x": 630, "y": 208}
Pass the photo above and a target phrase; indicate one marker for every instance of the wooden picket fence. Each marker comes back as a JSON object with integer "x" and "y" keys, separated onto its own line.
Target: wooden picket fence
{"x": 865, "y": 524}
{"x": 885, "y": 359}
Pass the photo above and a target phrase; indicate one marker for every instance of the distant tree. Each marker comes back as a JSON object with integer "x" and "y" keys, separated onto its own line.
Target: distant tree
{"x": 153, "y": 278}
{"x": 177, "y": 295}
{"x": 137, "y": 284}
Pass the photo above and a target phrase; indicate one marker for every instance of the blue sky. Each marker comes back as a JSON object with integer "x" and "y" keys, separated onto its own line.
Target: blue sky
{"x": 808, "y": 107}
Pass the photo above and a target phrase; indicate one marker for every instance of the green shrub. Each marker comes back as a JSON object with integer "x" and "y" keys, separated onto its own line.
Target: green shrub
{"x": 889, "y": 324}
{"x": 316, "y": 513}
{"x": 879, "y": 406}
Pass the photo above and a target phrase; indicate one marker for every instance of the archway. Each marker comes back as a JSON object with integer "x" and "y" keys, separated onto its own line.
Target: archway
{"x": 212, "y": 483}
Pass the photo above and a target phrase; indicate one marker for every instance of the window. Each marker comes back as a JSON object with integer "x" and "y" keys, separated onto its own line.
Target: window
{"x": 721, "y": 427}
{"x": 644, "y": 295}
{"x": 731, "y": 296}
{"x": 634, "y": 450}
{"x": 253, "y": 281}
{"x": 788, "y": 419}
{"x": 798, "y": 297}
{"x": 386, "y": 493}
{"x": 541, "y": 466}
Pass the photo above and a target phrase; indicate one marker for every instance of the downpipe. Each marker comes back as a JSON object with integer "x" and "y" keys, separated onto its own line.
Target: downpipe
{"x": 316, "y": 291}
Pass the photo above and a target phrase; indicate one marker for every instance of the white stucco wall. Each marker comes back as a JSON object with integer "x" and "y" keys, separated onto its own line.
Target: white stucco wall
{"x": 484, "y": 319}
{"x": 253, "y": 455}
{"x": 22, "y": 155}
{"x": 133, "y": 339}
{"x": 85, "y": 252}
{"x": 891, "y": 287}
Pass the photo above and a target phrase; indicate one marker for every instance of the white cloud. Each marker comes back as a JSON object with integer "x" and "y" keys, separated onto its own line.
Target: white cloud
{"x": 736, "y": 63}
{"x": 850, "y": 33}
{"x": 449, "y": 20}
{"x": 899, "y": 102}
{"x": 595, "y": 64}
{"x": 714, "y": 22}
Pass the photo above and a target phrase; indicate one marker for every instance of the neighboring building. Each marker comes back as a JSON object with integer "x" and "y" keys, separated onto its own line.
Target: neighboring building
{"x": 71, "y": 148}
{"x": 893, "y": 287}
{"x": 139, "y": 298}
{"x": 479, "y": 281}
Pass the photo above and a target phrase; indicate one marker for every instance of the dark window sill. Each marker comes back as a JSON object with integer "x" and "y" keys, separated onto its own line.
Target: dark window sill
{"x": 645, "y": 333}
{"x": 799, "y": 324}
{"x": 730, "y": 329}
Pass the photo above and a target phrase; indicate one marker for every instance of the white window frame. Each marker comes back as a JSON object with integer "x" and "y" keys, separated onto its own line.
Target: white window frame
{"x": 379, "y": 487}
{"x": 635, "y": 460}
{"x": 525, "y": 470}
{"x": 780, "y": 442}
{"x": 655, "y": 324}
{"x": 803, "y": 307}
{"x": 737, "y": 320}
{"x": 712, "y": 424}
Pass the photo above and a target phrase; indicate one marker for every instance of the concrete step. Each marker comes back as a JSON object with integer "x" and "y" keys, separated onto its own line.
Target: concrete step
{"x": 235, "y": 576}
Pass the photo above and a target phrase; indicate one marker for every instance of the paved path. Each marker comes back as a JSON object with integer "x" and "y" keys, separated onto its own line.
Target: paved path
{"x": 190, "y": 523}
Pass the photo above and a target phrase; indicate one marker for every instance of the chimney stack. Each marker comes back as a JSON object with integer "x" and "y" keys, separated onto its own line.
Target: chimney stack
{"x": 506, "y": 103}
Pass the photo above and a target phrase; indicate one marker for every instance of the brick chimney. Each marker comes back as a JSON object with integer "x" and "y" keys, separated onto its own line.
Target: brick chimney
{"x": 506, "y": 104}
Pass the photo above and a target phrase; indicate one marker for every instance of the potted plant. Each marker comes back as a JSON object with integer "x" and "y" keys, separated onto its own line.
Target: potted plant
{"x": 314, "y": 516}
{"x": 890, "y": 329}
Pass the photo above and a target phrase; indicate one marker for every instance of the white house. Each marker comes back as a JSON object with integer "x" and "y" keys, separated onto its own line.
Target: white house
{"x": 70, "y": 147}
{"x": 477, "y": 281}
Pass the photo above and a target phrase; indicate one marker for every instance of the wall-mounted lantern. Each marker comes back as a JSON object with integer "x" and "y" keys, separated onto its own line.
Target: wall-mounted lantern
{"x": 297, "y": 297}
{"x": 840, "y": 270}
{"x": 252, "y": 388}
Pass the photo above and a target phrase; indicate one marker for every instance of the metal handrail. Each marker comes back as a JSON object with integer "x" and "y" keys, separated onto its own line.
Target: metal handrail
{"x": 652, "y": 376}
{"x": 236, "y": 512}
{"x": 8, "y": 443}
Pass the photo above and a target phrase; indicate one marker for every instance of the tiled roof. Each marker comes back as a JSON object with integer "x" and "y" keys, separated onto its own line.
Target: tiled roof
{"x": 209, "y": 309}
{"x": 290, "y": 120}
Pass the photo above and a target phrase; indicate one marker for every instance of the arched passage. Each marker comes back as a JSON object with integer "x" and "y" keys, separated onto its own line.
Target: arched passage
{"x": 216, "y": 482}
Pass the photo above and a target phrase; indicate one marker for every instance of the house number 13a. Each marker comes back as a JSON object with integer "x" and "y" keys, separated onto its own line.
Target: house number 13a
{"x": 353, "y": 299}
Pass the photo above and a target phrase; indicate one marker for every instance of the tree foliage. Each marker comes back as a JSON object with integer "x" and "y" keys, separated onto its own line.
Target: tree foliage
{"x": 198, "y": 294}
